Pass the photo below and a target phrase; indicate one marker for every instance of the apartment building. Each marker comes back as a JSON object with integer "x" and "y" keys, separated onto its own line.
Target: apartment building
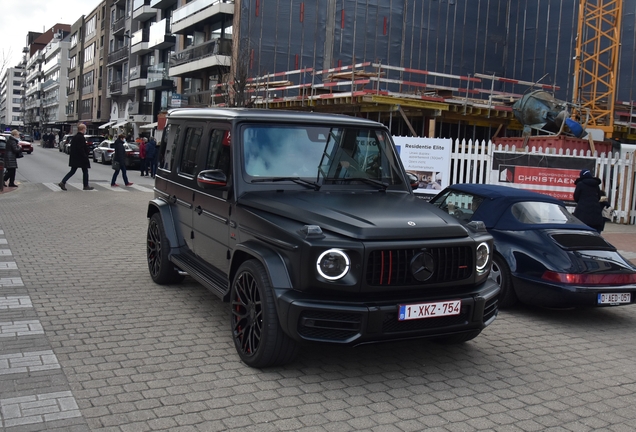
{"x": 34, "y": 77}
{"x": 11, "y": 92}
{"x": 53, "y": 87}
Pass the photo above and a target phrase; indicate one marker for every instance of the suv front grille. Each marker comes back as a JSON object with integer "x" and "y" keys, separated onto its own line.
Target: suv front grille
{"x": 393, "y": 267}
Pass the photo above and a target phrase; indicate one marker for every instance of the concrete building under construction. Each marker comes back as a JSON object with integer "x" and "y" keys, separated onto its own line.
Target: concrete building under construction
{"x": 433, "y": 67}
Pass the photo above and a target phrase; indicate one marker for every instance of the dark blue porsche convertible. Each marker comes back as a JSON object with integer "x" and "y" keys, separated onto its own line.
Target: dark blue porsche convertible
{"x": 544, "y": 255}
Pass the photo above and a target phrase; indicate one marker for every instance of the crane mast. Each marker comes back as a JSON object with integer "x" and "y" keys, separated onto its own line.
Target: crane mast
{"x": 596, "y": 63}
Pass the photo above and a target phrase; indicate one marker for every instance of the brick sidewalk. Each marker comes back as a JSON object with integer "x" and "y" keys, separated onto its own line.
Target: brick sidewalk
{"x": 120, "y": 353}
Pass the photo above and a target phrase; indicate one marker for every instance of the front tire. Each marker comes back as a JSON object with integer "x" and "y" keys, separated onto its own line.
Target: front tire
{"x": 258, "y": 337}
{"x": 162, "y": 271}
{"x": 500, "y": 273}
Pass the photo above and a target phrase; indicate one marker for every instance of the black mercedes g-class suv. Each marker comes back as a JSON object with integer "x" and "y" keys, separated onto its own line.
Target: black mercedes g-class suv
{"x": 308, "y": 225}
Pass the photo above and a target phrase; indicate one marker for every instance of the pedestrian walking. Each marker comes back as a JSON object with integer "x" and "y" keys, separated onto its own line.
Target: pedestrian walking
{"x": 587, "y": 195}
{"x": 11, "y": 158}
{"x": 78, "y": 158}
{"x": 151, "y": 157}
{"x": 60, "y": 135}
{"x": 119, "y": 161}
{"x": 142, "y": 155}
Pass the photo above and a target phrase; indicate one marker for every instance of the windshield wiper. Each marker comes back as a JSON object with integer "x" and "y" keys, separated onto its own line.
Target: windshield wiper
{"x": 366, "y": 180}
{"x": 296, "y": 180}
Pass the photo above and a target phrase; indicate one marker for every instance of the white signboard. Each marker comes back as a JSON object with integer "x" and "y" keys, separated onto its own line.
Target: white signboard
{"x": 429, "y": 159}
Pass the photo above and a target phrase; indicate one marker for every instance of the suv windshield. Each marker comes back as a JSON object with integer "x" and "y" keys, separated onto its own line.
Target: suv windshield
{"x": 321, "y": 154}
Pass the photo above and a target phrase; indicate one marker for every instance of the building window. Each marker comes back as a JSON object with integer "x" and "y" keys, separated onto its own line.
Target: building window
{"x": 73, "y": 62}
{"x": 90, "y": 27}
{"x": 89, "y": 54}
{"x": 74, "y": 40}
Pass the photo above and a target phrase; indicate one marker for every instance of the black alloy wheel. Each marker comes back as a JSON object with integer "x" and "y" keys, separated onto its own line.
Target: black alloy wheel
{"x": 162, "y": 271}
{"x": 500, "y": 273}
{"x": 258, "y": 337}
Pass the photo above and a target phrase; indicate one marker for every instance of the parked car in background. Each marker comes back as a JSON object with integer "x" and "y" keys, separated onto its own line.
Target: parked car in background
{"x": 544, "y": 256}
{"x": 26, "y": 146}
{"x": 103, "y": 153}
{"x": 26, "y": 137}
{"x": 132, "y": 155}
{"x": 93, "y": 141}
{"x": 67, "y": 139}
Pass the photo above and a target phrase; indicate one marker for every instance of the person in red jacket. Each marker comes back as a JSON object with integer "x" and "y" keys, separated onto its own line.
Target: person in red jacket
{"x": 142, "y": 156}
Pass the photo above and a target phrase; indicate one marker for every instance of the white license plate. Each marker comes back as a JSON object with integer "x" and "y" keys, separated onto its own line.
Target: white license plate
{"x": 429, "y": 310}
{"x": 614, "y": 298}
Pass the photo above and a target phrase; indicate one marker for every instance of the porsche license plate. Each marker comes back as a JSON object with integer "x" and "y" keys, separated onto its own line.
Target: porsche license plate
{"x": 614, "y": 298}
{"x": 429, "y": 310}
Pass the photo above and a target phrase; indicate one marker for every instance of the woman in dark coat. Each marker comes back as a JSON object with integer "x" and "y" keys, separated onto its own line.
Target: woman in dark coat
{"x": 120, "y": 157}
{"x": 78, "y": 158}
{"x": 587, "y": 195}
{"x": 10, "y": 159}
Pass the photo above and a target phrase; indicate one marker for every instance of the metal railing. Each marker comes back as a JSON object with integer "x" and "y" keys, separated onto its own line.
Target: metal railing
{"x": 115, "y": 86}
{"x": 206, "y": 49}
{"x": 120, "y": 54}
{"x": 138, "y": 72}
{"x": 118, "y": 24}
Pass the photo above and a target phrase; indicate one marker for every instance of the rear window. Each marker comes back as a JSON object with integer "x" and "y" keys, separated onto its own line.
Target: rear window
{"x": 542, "y": 213}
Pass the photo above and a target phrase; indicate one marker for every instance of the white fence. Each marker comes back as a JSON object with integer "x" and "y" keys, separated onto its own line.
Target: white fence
{"x": 471, "y": 162}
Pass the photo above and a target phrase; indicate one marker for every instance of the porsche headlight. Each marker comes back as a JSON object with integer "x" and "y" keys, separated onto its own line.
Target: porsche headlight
{"x": 482, "y": 257}
{"x": 333, "y": 264}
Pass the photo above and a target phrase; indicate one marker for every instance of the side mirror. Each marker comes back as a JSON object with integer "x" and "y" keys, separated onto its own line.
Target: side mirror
{"x": 413, "y": 180}
{"x": 212, "y": 179}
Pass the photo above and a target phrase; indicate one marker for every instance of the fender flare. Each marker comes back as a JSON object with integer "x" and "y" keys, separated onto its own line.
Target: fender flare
{"x": 163, "y": 208}
{"x": 269, "y": 258}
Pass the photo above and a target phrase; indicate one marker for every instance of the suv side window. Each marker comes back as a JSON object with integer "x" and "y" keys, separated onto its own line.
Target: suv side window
{"x": 219, "y": 151}
{"x": 169, "y": 146}
{"x": 189, "y": 154}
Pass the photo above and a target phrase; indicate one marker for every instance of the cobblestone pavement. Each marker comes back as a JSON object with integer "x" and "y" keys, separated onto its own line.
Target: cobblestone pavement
{"x": 89, "y": 342}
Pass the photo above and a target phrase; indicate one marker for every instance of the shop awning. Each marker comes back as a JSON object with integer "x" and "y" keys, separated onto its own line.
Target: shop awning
{"x": 149, "y": 126}
{"x": 120, "y": 124}
{"x": 105, "y": 125}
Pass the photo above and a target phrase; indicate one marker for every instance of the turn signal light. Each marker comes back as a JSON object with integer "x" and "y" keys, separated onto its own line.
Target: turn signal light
{"x": 590, "y": 279}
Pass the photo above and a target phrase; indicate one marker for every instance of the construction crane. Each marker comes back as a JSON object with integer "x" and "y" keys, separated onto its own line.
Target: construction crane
{"x": 596, "y": 63}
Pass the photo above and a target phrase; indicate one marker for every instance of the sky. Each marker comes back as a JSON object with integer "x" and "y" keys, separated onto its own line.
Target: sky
{"x": 22, "y": 16}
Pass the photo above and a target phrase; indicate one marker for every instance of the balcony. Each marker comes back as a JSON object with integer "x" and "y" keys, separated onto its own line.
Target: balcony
{"x": 138, "y": 76}
{"x": 33, "y": 75}
{"x": 33, "y": 89}
{"x": 88, "y": 89}
{"x": 117, "y": 56}
{"x": 162, "y": 4}
{"x": 33, "y": 103}
{"x": 142, "y": 11}
{"x": 52, "y": 64}
{"x": 217, "y": 52}
{"x": 160, "y": 36}
{"x": 142, "y": 108}
{"x": 50, "y": 101}
{"x": 199, "y": 11}
{"x": 139, "y": 42}
{"x": 87, "y": 115}
{"x": 159, "y": 79}
{"x": 35, "y": 58}
{"x": 115, "y": 87}
{"x": 70, "y": 90}
{"x": 118, "y": 26}
{"x": 49, "y": 84}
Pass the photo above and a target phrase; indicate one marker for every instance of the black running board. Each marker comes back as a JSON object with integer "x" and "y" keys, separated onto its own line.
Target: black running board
{"x": 212, "y": 281}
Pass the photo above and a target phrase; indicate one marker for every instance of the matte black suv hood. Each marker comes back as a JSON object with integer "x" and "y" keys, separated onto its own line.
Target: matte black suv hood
{"x": 364, "y": 216}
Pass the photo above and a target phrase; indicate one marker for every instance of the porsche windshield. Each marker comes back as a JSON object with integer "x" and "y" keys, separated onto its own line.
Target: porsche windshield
{"x": 346, "y": 155}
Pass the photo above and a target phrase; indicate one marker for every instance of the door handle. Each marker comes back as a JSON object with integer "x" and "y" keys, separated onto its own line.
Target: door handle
{"x": 173, "y": 199}
{"x": 198, "y": 209}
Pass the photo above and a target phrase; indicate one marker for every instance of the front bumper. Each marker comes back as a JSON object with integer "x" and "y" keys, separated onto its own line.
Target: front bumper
{"x": 354, "y": 323}
{"x": 552, "y": 295}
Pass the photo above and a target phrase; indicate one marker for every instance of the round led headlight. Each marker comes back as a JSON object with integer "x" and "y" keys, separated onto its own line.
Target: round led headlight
{"x": 333, "y": 264}
{"x": 482, "y": 257}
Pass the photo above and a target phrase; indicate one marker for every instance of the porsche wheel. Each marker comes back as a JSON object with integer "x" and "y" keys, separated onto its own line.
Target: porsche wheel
{"x": 258, "y": 337}
{"x": 162, "y": 271}
{"x": 500, "y": 273}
